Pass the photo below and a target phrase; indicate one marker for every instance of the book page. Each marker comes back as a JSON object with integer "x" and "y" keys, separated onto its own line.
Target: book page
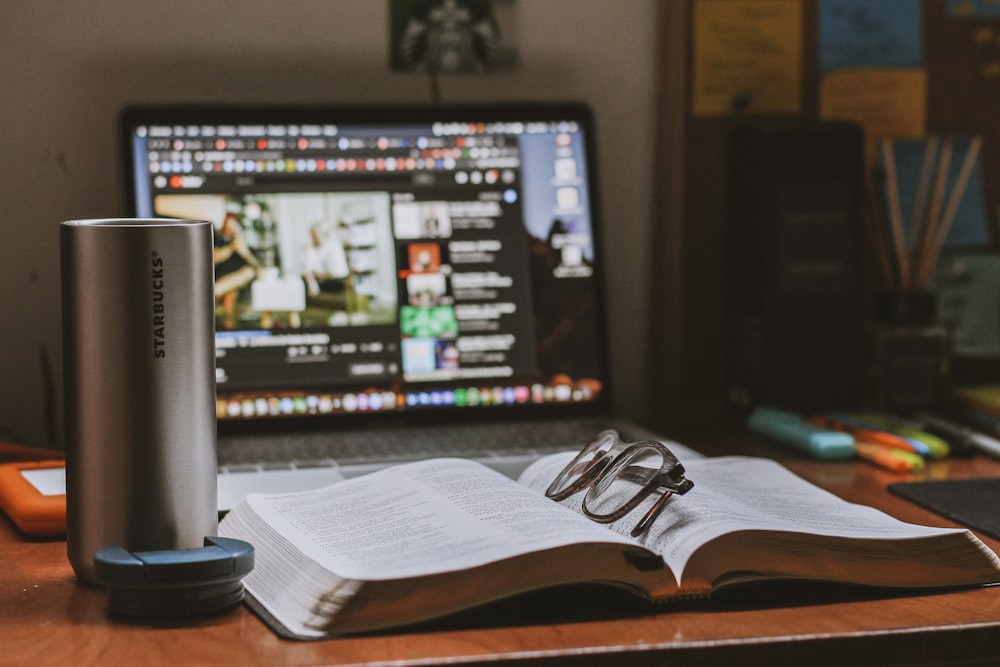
{"x": 739, "y": 493}
{"x": 443, "y": 514}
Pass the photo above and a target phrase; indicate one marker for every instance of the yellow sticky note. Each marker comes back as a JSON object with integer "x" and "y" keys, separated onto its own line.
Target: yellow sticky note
{"x": 747, "y": 57}
{"x": 888, "y": 103}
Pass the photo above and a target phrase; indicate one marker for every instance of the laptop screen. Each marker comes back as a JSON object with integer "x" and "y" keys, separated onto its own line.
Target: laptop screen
{"x": 419, "y": 261}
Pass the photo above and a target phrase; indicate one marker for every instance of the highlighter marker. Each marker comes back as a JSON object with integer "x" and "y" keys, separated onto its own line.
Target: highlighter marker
{"x": 937, "y": 447}
{"x": 791, "y": 429}
{"x": 898, "y": 460}
{"x": 865, "y": 432}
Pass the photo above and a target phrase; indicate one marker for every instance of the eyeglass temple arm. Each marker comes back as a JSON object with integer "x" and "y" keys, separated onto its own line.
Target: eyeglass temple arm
{"x": 650, "y": 516}
{"x": 673, "y": 479}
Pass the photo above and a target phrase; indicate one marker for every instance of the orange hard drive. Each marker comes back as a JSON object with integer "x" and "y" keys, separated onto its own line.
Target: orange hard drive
{"x": 29, "y": 495}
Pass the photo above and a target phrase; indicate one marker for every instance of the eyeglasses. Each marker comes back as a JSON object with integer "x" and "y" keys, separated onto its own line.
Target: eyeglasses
{"x": 618, "y": 476}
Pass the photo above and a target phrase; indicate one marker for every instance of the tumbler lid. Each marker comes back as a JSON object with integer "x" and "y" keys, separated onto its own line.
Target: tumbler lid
{"x": 177, "y": 582}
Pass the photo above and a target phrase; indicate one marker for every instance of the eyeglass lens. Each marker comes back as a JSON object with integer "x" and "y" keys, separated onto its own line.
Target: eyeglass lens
{"x": 591, "y": 456}
{"x": 619, "y": 487}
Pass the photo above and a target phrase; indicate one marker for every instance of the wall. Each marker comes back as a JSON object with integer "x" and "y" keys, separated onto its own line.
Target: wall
{"x": 67, "y": 66}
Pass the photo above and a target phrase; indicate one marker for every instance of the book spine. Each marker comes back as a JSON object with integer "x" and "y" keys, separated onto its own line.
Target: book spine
{"x": 794, "y": 335}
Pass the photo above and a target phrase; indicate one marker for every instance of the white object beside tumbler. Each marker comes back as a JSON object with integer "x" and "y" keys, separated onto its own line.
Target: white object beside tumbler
{"x": 139, "y": 364}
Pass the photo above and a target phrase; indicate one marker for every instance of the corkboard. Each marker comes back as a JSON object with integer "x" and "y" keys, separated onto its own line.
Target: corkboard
{"x": 962, "y": 60}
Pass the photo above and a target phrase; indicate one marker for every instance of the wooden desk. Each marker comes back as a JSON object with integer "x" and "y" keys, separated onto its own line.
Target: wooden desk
{"x": 46, "y": 618}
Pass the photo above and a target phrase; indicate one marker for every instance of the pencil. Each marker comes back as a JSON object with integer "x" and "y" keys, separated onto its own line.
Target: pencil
{"x": 871, "y": 217}
{"x": 907, "y": 257}
{"x": 895, "y": 214}
{"x": 925, "y": 247}
{"x": 918, "y": 216}
{"x": 954, "y": 201}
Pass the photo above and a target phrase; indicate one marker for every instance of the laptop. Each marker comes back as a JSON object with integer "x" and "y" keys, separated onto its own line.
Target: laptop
{"x": 392, "y": 283}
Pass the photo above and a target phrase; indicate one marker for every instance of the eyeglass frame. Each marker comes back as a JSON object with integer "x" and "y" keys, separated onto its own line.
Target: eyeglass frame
{"x": 601, "y": 470}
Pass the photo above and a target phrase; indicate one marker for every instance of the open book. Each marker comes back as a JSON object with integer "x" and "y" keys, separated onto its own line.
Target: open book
{"x": 426, "y": 539}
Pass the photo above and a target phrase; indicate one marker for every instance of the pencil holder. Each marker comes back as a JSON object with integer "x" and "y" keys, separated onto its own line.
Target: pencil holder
{"x": 908, "y": 352}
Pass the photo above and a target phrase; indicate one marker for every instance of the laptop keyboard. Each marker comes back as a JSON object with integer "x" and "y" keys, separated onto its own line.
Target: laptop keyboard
{"x": 294, "y": 462}
{"x": 351, "y": 447}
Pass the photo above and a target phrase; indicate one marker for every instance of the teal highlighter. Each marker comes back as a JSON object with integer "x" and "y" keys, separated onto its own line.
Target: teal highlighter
{"x": 791, "y": 429}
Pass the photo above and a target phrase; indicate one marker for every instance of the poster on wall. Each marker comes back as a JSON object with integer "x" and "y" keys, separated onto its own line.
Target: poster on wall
{"x": 450, "y": 36}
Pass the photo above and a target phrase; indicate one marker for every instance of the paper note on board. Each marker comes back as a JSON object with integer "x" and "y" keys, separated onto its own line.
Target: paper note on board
{"x": 888, "y": 103}
{"x": 862, "y": 33}
{"x": 747, "y": 57}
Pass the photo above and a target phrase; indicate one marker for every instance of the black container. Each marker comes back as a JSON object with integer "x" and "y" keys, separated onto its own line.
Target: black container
{"x": 908, "y": 353}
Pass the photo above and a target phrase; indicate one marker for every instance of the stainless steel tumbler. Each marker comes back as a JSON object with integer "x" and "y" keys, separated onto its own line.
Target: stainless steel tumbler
{"x": 139, "y": 370}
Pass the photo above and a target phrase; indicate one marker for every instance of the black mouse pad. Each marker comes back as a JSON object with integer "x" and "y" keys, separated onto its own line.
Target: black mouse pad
{"x": 971, "y": 502}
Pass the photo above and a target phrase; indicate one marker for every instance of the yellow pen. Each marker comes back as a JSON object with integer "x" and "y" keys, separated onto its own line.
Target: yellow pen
{"x": 889, "y": 458}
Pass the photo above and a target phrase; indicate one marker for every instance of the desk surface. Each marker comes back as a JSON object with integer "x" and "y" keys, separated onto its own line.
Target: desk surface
{"x": 46, "y": 618}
